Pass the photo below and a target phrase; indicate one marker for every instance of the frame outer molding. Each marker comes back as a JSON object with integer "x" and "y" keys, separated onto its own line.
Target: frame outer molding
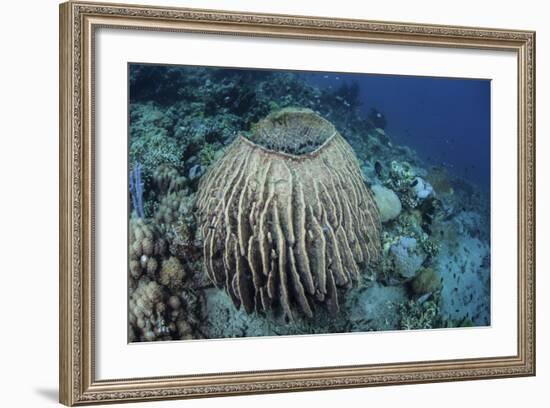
{"x": 66, "y": 202}
{"x": 78, "y": 20}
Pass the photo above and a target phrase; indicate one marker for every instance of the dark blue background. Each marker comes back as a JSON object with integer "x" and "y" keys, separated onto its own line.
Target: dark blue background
{"x": 446, "y": 120}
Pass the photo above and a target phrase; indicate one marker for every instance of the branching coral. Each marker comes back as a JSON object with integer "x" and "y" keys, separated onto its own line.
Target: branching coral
{"x": 207, "y": 155}
{"x": 290, "y": 226}
{"x": 414, "y": 314}
{"x": 167, "y": 179}
{"x": 152, "y": 142}
{"x": 173, "y": 206}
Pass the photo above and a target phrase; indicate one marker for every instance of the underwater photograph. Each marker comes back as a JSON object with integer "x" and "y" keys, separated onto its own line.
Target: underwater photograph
{"x": 271, "y": 202}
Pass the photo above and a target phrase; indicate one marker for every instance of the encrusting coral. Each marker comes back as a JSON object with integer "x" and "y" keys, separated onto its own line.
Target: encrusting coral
{"x": 286, "y": 217}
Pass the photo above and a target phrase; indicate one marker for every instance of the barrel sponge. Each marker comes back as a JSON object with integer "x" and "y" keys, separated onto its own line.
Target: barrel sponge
{"x": 285, "y": 216}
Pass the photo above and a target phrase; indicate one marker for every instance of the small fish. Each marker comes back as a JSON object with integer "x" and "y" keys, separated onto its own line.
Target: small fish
{"x": 378, "y": 167}
{"x": 337, "y": 78}
{"x": 325, "y": 76}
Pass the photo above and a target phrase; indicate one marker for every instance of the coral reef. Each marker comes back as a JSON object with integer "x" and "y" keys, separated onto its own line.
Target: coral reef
{"x": 430, "y": 229}
{"x": 156, "y": 314}
{"x": 168, "y": 180}
{"x": 287, "y": 227}
{"x": 375, "y": 307}
{"x": 153, "y": 143}
{"x": 438, "y": 177}
{"x": 422, "y": 189}
{"x": 146, "y": 310}
{"x": 465, "y": 272}
{"x": 173, "y": 206}
{"x": 387, "y": 202}
{"x": 411, "y": 188}
{"x": 207, "y": 155}
{"x": 172, "y": 273}
{"x": 426, "y": 281}
{"x": 147, "y": 246}
{"x": 162, "y": 305}
{"x": 418, "y": 315}
{"x": 407, "y": 257}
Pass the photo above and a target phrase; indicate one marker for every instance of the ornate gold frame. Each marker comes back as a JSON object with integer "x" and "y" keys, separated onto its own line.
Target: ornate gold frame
{"x": 78, "y": 21}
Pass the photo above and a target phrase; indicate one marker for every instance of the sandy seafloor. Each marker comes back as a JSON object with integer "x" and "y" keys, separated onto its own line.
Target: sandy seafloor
{"x": 435, "y": 266}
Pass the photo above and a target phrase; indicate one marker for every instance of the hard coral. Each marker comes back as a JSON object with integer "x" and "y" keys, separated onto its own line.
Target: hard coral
{"x": 387, "y": 201}
{"x": 412, "y": 190}
{"x": 286, "y": 217}
{"x": 172, "y": 273}
{"x": 173, "y": 206}
{"x": 438, "y": 177}
{"x": 407, "y": 257}
{"x": 167, "y": 179}
{"x": 146, "y": 248}
{"x": 426, "y": 281}
{"x": 145, "y": 307}
{"x": 155, "y": 313}
{"x": 415, "y": 315}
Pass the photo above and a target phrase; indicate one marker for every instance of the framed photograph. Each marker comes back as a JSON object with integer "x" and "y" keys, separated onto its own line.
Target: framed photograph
{"x": 261, "y": 203}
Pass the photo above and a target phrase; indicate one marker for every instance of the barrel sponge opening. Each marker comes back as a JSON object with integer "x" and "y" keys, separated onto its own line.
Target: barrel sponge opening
{"x": 287, "y": 222}
{"x": 294, "y": 131}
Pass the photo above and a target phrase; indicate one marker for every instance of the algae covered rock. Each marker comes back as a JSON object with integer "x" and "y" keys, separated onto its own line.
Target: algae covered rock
{"x": 387, "y": 201}
{"x": 285, "y": 216}
{"x": 427, "y": 280}
{"x": 407, "y": 257}
{"x": 375, "y": 307}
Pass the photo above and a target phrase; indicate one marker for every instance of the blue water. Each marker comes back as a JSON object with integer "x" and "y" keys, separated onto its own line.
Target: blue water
{"x": 446, "y": 120}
